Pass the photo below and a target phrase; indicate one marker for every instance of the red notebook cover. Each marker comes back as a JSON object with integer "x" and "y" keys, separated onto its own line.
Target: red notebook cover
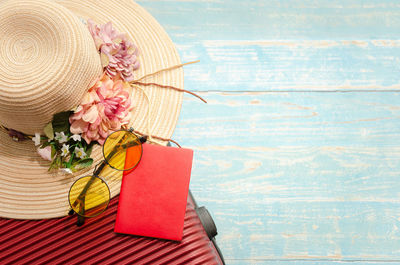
{"x": 153, "y": 196}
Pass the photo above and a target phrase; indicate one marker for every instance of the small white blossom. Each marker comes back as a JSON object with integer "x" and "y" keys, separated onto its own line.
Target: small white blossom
{"x": 36, "y": 139}
{"x": 66, "y": 170}
{"x": 80, "y": 152}
{"x": 61, "y": 137}
{"x": 76, "y": 137}
{"x": 64, "y": 150}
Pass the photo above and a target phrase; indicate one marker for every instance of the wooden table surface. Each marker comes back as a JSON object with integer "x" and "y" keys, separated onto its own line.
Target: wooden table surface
{"x": 297, "y": 153}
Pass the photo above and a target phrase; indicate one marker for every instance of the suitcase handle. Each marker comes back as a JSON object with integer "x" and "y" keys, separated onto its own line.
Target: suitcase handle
{"x": 207, "y": 222}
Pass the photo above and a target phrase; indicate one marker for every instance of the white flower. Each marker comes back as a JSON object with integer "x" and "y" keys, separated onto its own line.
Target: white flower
{"x": 66, "y": 170}
{"x": 64, "y": 150}
{"x": 36, "y": 139}
{"x": 79, "y": 152}
{"x": 76, "y": 137}
{"x": 61, "y": 137}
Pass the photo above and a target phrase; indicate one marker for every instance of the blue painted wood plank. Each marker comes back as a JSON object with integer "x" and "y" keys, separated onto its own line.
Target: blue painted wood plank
{"x": 310, "y": 119}
{"x": 187, "y": 20}
{"x": 307, "y": 262}
{"x": 233, "y": 60}
{"x": 293, "y": 176}
{"x": 292, "y": 65}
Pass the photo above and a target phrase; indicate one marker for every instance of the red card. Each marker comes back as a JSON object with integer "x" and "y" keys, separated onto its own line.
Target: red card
{"x": 153, "y": 196}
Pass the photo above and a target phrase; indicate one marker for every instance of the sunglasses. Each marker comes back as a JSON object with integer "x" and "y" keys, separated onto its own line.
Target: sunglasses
{"x": 90, "y": 195}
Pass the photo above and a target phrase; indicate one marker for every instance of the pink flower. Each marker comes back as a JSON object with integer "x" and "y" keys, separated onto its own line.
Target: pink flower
{"x": 118, "y": 53}
{"x": 104, "y": 109}
{"x": 45, "y": 153}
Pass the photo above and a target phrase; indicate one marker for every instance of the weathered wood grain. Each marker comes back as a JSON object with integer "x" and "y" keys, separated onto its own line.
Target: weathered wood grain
{"x": 294, "y": 65}
{"x": 276, "y": 19}
{"x": 303, "y": 119}
{"x": 285, "y": 45}
{"x": 292, "y": 176}
{"x": 296, "y": 154}
{"x": 306, "y": 262}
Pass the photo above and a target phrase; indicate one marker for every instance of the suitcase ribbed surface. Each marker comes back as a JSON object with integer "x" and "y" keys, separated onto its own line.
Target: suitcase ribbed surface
{"x": 60, "y": 241}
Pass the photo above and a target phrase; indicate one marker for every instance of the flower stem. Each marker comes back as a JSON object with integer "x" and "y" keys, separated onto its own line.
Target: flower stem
{"x": 70, "y": 160}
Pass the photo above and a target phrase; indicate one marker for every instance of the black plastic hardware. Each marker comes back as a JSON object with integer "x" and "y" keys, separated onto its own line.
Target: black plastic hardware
{"x": 207, "y": 222}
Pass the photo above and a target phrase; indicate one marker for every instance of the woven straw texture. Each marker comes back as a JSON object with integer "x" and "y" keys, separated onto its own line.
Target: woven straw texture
{"x": 47, "y": 61}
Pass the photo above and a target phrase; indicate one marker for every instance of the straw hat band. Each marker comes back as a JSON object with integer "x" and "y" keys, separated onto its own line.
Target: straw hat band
{"x": 47, "y": 55}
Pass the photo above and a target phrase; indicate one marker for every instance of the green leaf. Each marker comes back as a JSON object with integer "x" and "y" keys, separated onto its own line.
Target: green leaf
{"x": 81, "y": 164}
{"x": 51, "y": 165}
{"x": 61, "y": 122}
{"x": 56, "y": 164}
{"x": 53, "y": 150}
{"x": 59, "y": 161}
{"x": 46, "y": 143}
{"x": 48, "y": 131}
{"x": 89, "y": 148}
{"x": 56, "y": 146}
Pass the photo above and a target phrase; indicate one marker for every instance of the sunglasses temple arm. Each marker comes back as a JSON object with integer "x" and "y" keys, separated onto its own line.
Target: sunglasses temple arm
{"x": 83, "y": 192}
{"x": 142, "y": 140}
{"x": 81, "y": 219}
{"x": 87, "y": 186}
{"x": 99, "y": 169}
{"x": 94, "y": 176}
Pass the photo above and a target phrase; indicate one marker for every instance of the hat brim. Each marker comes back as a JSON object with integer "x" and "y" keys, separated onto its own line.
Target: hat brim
{"x": 27, "y": 189}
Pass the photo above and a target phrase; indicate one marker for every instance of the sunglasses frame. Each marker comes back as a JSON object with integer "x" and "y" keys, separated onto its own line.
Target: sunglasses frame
{"x": 96, "y": 174}
{"x": 92, "y": 178}
{"x": 106, "y": 161}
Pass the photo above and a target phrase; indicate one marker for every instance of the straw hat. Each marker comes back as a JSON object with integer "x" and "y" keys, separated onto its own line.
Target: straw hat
{"x": 48, "y": 60}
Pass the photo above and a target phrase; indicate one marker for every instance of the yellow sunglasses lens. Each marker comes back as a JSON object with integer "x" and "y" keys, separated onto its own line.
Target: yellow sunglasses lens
{"x": 118, "y": 145}
{"x": 89, "y": 196}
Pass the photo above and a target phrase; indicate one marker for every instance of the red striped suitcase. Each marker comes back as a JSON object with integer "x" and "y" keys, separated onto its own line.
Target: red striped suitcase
{"x": 60, "y": 241}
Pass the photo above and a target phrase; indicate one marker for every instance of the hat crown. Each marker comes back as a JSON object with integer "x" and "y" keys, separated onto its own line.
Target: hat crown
{"x": 48, "y": 60}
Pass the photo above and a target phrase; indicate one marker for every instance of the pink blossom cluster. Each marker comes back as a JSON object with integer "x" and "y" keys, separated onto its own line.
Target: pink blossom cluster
{"x": 104, "y": 109}
{"x": 118, "y": 53}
